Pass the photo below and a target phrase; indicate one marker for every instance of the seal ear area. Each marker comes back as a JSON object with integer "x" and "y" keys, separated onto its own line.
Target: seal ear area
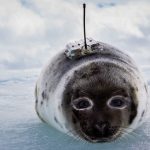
{"x": 119, "y": 102}
{"x": 82, "y": 104}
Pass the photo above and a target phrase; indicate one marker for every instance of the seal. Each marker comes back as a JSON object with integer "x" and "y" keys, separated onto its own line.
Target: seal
{"x": 98, "y": 97}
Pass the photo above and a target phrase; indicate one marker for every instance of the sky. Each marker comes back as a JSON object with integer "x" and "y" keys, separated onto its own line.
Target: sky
{"x": 32, "y": 31}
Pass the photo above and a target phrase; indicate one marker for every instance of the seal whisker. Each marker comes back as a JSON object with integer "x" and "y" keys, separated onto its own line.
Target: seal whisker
{"x": 130, "y": 130}
{"x": 76, "y": 136}
{"x": 133, "y": 133}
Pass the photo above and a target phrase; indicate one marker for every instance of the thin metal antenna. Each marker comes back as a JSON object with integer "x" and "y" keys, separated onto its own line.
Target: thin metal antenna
{"x": 84, "y": 7}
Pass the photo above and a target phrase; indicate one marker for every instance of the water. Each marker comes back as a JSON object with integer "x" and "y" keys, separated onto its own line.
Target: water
{"x": 21, "y": 129}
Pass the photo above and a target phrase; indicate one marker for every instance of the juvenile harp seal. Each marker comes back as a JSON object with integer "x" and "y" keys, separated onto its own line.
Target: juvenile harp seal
{"x": 97, "y": 96}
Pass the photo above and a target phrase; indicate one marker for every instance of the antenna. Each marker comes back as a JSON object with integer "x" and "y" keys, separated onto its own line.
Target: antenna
{"x": 84, "y": 7}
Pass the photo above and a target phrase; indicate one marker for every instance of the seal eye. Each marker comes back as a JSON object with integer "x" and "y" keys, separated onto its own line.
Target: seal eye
{"x": 118, "y": 102}
{"x": 82, "y": 104}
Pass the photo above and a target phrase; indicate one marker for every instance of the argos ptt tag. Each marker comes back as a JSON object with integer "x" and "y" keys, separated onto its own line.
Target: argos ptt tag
{"x": 77, "y": 49}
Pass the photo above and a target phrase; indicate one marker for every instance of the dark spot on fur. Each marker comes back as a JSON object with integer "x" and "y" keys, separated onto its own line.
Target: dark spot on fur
{"x": 132, "y": 89}
{"x": 36, "y": 101}
{"x": 145, "y": 88}
{"x": 143, "y": 113}
{"x": 44, "y": 96}
{"x": 59, "y": 63}
{"x": 75, "y": 71}
{"x": 84, "y": 75}
{"x": 39, "y": 116}
{"x": 94, "y": 70}
{"x": 46, "y": 84}
{"x": 41, "y": 102}
{"x": 56, "y": 120}
{"x": 55, "y": 71}
{"x": 124, "y": 80}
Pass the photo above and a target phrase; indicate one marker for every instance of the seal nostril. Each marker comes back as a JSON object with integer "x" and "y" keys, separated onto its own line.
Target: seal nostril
{"x": 102, "y": 126}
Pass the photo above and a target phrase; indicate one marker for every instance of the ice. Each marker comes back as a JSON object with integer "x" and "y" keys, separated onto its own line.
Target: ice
{"x": 21, "y": 129}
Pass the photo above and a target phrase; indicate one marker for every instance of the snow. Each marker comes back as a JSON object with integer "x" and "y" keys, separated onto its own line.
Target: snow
{"x": 21, "y": 129}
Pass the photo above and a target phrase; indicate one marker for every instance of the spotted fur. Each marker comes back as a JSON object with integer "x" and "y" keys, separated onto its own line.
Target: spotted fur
{"x": 62, "y": 76}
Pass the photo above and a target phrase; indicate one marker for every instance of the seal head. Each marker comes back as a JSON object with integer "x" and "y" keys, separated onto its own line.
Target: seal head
{"x": 98, "y": 95}
{"x": 101, "y": 101}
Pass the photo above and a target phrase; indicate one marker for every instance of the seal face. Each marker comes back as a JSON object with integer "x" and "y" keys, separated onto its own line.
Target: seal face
{"x": 97, "y": 97}
{"x": 101, "y": 101}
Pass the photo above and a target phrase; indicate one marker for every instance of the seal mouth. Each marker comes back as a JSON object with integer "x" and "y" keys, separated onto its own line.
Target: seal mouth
{"x": 100, "y": 139}
{"x": 94, "y": 139}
